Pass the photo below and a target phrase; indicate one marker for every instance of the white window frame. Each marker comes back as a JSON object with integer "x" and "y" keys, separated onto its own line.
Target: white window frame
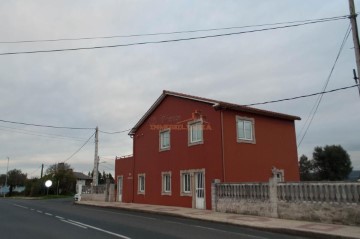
{"x": 279, "y": 174}
{"x": 141, "y": 183}
{"x": 166, "y": 183}
{"x": 242, "y": 135}
{"x": 185, "y": 184}
{"x": 200, "y": 136}
{"x": 162, "y": 146}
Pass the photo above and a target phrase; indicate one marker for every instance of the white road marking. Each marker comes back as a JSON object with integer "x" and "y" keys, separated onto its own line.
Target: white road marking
{"x": 85, "y": 226}
{"x": 17, "y": 205}
{"x": 75, "y": 224}
{"x": 181, "y": 223}
{"x": 101, "y": 230}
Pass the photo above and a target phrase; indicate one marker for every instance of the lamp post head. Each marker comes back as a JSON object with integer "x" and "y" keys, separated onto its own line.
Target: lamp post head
{"x": 48, "y": 183}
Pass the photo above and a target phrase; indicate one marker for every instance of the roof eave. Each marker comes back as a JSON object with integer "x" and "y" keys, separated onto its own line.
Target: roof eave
{"x": 148, "y": 112}
{"x": 224, "y": 106}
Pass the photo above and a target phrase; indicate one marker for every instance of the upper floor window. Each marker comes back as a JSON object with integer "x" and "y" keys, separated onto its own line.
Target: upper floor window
{"x": 195, "y": 132}
{"x": 165, "y": 139}
{"x": 245, "y": 129}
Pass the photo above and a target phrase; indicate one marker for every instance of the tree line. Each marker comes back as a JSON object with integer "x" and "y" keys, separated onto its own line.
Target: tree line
{"x": 61, "y": 174}
{"x": 329, "y": 163}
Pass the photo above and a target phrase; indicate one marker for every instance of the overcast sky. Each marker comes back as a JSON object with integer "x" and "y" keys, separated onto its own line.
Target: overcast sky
{"x": 113, "y": 87}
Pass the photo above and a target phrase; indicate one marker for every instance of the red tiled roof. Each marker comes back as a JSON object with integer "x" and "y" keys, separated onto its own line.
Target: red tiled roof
{"x": 218, "y": 105}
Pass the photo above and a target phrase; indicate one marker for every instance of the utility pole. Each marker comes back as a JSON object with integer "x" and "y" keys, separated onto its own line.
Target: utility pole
{"x": 355, "y": 35}
{"x": 42, "y": 170}
{"x": 6, "y": 177}
{"x": 96, "y": 158}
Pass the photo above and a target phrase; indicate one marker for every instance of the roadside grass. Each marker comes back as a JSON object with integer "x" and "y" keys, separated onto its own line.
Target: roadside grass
{"x": 45, "y": 197}
{"x": 55, "y": 196}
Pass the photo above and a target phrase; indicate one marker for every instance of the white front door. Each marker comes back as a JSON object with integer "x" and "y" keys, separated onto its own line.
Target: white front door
{"x": 199, "y": 190}
{"x": 120, "y": 188}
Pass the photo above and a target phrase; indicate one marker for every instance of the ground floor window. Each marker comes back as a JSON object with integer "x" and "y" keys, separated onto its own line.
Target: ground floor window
{"x": 185, "y": 183}
{"x": 141, "y": 183}
{"x": 166, "y": 183}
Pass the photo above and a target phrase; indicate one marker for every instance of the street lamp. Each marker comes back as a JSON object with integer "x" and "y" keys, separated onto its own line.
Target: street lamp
{"x": 48, "y": 184}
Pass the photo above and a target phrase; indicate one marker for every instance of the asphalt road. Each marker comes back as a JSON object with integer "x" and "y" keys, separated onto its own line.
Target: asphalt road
{"x": 60, "y": 218}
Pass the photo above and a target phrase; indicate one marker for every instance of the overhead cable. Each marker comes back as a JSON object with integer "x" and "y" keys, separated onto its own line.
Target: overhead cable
{"x": 35, "y": 171}
{"x": 318, "y": 101}
{"x": 34, "y": 133}
{"x": 79, "y": 148}
{"x": 303, "y": 96}
{"x": 173, "y": 32}
{"x": 115, "y": 132}
{"x": 164, "y": 41}
{"x": 46, "y": 126}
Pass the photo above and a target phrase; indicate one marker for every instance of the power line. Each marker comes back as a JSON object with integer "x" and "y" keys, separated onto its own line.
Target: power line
{"x": 46, "y": 126}
{"x": 112, "y": 158}
{"x": 115, "y": 132}
{"x": 79, "y": 148}
{"x": 303, "y": 96}
{"x": 171, "y": 33}
{"x": 35, "y": 171}
{"x": 165, "y": 41}
{"x": 107, "y": 167}
{"x": 57, "y": 127}
{"x": 34, "y": 133}
{"x": 103, "y": 164}
{"x": 318, "y": 101}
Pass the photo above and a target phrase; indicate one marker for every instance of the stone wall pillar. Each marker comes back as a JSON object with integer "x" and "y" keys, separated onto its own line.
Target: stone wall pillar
{"x": 273, "y": 197}
{"x": 112, "y": 193}
{"x": 214, "y": 199}
{"x": 107, "y": 190}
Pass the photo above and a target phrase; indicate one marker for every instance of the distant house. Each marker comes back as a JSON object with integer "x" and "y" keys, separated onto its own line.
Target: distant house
{"x": 6, "y": 189}
{"x": 82, "y": 179}
{"x": 354, "y": 175}
{"x": 183, "y": 143}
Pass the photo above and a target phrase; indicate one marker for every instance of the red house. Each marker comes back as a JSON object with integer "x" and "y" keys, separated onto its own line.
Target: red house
{"x": 183, "y": 143}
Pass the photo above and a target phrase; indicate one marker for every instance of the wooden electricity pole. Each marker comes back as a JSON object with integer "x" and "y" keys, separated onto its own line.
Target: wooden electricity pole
{"x": 96, "y": 158}
{"x": 42, "y": 170}
{"x": 355, "y": 35}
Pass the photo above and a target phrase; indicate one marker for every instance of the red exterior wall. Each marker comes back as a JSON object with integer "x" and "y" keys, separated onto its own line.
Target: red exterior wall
{"x": 275, "y": 146}
{"x": 124, "y": 168}
{"x": 220, "y": 155}
{"x": 148, "y": 159}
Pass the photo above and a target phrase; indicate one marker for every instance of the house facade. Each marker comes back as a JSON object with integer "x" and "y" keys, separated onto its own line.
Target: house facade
{"x": 183, "y": 143}
{"x": 82, "y": 179}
